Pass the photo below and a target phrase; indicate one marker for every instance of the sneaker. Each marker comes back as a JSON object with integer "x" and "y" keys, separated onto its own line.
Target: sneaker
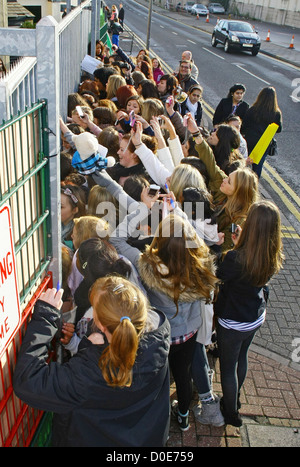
{"x": 210, "y": 413}
{"x": 183, "y": 420}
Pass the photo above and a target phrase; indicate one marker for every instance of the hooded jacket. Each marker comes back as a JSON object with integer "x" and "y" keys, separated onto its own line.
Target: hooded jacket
{"x": 92, "y": 413}
{"x": 190, "y": 303}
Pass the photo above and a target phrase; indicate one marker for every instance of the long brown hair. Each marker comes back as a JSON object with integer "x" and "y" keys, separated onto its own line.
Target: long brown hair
{"x": 112, "y": 299}
{"x": 266, "y": 106}
{"x": 260, "y": 246}
{"x": 190, "y": 264}
{"x": 245, "y": 194}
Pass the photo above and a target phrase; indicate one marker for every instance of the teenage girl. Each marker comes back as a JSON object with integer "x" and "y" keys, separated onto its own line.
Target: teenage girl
{"x": 241, "y": 304}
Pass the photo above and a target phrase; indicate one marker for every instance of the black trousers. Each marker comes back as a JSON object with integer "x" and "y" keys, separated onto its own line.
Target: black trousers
{"x": 180, "y": 361}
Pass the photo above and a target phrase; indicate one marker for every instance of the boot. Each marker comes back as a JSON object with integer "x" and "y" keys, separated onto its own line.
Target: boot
{"x": 209, "y": 413}
{"x": 234, "y": 418}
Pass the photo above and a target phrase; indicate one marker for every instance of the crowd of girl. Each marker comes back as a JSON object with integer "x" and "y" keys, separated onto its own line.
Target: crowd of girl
{"x": 150, "y": 271}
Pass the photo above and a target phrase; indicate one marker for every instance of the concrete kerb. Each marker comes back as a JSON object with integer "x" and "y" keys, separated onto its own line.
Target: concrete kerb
{"x": 286, "y": 362}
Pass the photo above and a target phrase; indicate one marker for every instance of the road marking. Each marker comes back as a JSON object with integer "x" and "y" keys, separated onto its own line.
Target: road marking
{"x": 209, "y": 111}
{"x": 281, "y": 195}
{"x": 252, "y": 74}
{"x": 213, "y": 53}
{"x": 283, "y": 183}
{"x": 161, "y": 26}
{"x": 289, "y": 232}
{"x": 176, "y": 33}
{"x": 192, "y": 42}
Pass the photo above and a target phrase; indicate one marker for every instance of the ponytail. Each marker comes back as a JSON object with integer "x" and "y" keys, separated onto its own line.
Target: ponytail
{"x": 121, "y": 308}
{"x": 118, "y": 359}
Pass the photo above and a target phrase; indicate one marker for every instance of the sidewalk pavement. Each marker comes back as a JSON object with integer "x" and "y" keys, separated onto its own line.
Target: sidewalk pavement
{"x": 270, "y": 397}
{"x": 271, "y": 394}
{"x": 270, "y": 410}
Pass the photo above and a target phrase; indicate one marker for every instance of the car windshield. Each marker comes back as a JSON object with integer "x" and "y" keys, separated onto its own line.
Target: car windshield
{"x": 240, "y": 27}
{"x": 199, "y": 5}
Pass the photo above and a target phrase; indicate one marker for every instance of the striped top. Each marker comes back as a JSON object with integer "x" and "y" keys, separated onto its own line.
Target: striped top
{"x": 244, "y": 327}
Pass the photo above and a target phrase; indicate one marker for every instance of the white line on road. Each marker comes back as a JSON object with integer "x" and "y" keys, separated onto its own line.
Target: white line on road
{"x": 216, "y": 55}
{"x": 252, "y": 74}
{"x": 161, "y": 26}
{"x": 176, "y": 33}
{"x": 192, "y": 42}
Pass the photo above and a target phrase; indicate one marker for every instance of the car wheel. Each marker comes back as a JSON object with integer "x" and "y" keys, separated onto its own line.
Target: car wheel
{"x": 214, "y": 41}
{"x": 255, "y": 52}
{"x": 226, "y": 46}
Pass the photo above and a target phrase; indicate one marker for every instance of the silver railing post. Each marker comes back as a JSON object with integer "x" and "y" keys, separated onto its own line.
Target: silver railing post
{"x": 47, "y": 47}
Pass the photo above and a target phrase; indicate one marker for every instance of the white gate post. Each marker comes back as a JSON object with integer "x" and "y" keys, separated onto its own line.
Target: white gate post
{"x": 47, "y": 48}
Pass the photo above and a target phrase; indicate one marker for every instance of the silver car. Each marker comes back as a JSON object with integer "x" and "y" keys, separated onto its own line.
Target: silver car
{"x": 188, "y": 6}
{"x": 216, "y": 8}
{"x": 199, "y": 9}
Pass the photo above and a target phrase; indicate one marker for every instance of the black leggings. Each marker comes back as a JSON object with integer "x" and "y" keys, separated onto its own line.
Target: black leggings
{"x": 180, "y": 361}
{"x": 233, "y": 349}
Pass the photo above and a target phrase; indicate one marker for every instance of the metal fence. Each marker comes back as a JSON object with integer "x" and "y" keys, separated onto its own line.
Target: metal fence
{"x": 24, "y": 182}
{"x": 32, "y": 97}
{"x": 50, "y": 69}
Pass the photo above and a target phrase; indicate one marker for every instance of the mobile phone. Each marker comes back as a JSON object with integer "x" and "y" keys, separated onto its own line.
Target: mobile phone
{"x": 160, "y": 121}
{"x": 153, "y": 190}
{"x": 233, "y": 228}
{"x": 170, "y": 100}
{"x": 79, "y": 111}
{"x": 185, "y": 120}
{"x": 132, "y": 120}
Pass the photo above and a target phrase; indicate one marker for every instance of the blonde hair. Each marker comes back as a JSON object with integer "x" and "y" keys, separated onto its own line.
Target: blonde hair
{"x": 185, "y": 176}
{"x": 87, "y": 110}
{"x": 244, "y": 195}
{"x": 151, "y": 107}
{"x": 90, "y": 226}
{"x": 98, "y": 195}
{"x": 113, "y": 84}
{"x": 121, "y": 308}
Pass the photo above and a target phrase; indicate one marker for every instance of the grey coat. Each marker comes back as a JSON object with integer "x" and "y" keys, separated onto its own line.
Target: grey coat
{"x": 190, "y": 302}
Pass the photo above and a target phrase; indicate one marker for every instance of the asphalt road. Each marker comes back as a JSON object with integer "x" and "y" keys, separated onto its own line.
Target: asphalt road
{"x": 218, "y": 71}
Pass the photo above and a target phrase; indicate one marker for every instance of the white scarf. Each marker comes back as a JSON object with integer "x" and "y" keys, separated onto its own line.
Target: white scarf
{"x": 192, "y": 107}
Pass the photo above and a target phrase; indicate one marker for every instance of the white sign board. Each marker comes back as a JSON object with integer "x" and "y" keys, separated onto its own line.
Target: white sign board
{"x": 10, "y": 314}
{"x": 90, "y": 64}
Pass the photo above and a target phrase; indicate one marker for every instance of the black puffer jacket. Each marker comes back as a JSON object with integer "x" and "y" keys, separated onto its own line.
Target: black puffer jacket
{"x": 92, "y": 413}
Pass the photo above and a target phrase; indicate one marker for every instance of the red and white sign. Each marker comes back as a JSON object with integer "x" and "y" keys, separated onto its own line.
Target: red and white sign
{"x": 10, "y": 314}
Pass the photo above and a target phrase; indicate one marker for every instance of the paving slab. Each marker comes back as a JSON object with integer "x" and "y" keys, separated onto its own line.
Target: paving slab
{"x": 260, "y": 436}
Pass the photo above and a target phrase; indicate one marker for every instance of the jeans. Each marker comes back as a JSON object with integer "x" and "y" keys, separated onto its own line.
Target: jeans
{"x": 200, "y": 369}
{"x": 115, "y": 39}
{"x": 180, "y": 361}
{"x": 233, "y": 349}
{"x": 257, "y": 168}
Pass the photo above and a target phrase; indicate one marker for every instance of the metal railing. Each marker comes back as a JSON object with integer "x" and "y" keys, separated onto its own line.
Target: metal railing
{"x": 32, "y": 97}
{"x": 24, "y": 187}
{"x": 24, "y": 182}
